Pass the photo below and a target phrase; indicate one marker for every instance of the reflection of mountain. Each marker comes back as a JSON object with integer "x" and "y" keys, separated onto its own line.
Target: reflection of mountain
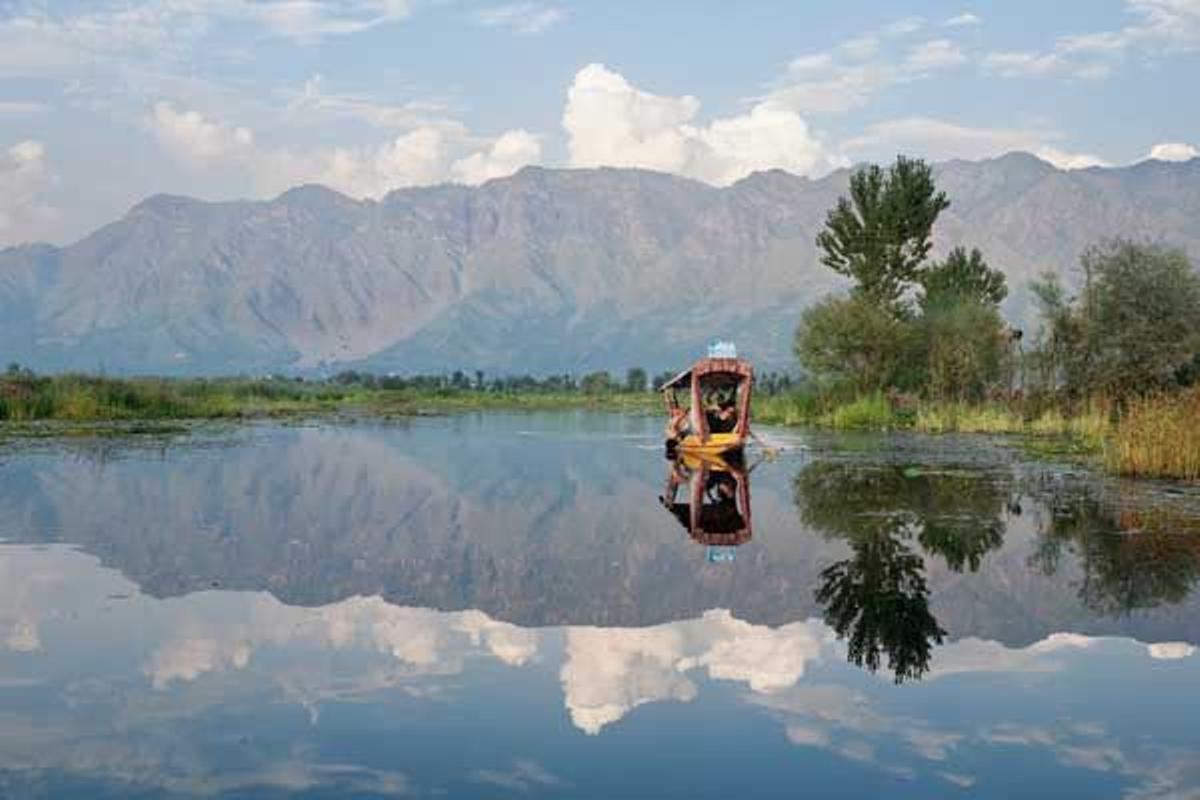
{"x": 547, "y": 520}
{"x": 235, "y": 694}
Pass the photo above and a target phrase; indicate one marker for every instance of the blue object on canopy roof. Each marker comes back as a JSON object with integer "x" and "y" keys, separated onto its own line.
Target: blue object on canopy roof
{"x": 722, "y": 349}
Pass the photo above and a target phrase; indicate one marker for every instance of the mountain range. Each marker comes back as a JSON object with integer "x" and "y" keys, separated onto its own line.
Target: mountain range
{"x": 548, "y": 270}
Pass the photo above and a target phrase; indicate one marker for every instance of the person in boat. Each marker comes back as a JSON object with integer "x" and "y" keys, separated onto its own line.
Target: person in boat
{"x": 678, "y": 425}
{"x": 722, "y": 418}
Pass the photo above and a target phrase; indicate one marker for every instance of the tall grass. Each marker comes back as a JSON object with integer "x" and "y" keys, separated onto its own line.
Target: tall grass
{"x": 871, "y": 412}
{"x": 1158, "y": 437}
{"x": 81, "y": 398}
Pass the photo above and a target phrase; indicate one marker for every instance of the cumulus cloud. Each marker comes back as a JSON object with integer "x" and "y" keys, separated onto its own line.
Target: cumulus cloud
{"x": 1173, "y": 151}
{"x": 610, "y": 122}
{"x": 525, "y": 18}
{"x": 507, "y": 154}
{"x": 195, "y": 140}
{"x": 937, "y": 139}
{"x": 24, "y": 179}
{"x": 425, "y": 156}
{"x": 436, "y": 152}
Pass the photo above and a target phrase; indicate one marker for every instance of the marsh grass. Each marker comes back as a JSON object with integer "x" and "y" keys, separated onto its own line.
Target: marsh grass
{"x": 1158, "y": 437}
{"x": 80, "y": 398}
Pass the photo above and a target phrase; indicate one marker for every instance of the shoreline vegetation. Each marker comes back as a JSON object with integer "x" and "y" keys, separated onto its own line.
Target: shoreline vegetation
{"x": 1156, "y": 436}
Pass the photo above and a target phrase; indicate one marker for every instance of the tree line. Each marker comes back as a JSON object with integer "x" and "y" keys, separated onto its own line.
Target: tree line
{"x": 933, "y": 329}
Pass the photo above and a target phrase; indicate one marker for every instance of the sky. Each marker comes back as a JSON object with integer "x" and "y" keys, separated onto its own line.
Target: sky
{"x": 104, "y": 103}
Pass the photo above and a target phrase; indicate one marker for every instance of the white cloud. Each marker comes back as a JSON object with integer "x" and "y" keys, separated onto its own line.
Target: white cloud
{"x": 1159, "y": 27}
{"x": 24, "y": 179}
{"x": 610, "y": 122}
{"x": 305, "y": 20}
{"x": 525, "y": 18}
{"x": 847, "y": 76}
{"x": 425, "y": 156}
{"x": 904, "y": 26}
{"x": 934, "y": 54}
{"x": 1021, "y": 63}
{"x": 1066, "y": 160}
{"x": 312, "y": 101}
{"x": 939, "y": 140}
{"x": 963, "y": 20}
{"x": 507, "y": 154}
{"x": 195, "y": 140}
{"x": 1173, "y": 151}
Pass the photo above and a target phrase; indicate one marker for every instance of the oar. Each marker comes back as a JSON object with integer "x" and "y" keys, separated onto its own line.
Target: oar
{"x": 768, "y": 450}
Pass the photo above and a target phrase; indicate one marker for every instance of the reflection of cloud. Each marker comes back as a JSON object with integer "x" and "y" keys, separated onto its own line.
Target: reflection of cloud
{"x": 187, "y": 659}
{"x": 523, "y": 776}
{"x": 980, "y": 655}
{"x": 609, "y": 672}
{"x": 1170, "y": 650}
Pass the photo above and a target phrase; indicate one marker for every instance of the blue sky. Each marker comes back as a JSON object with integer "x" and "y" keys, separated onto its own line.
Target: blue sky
{"x": 103, "y": 103}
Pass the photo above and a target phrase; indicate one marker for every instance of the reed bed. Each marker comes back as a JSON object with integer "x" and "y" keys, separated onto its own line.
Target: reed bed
{"x": 80, "y": 398}
{"x": 1158, "y": 437}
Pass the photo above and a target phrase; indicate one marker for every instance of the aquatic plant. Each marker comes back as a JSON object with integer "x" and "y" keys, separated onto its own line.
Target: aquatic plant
{"x": 1158, "y": 436}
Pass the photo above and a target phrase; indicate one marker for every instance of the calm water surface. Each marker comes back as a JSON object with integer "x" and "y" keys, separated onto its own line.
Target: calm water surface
{"x": 515, "y": 606}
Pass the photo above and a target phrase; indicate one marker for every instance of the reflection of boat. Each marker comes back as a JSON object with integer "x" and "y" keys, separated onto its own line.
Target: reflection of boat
{"x": 715, "y": 417}
{"x": 717, "y": 508}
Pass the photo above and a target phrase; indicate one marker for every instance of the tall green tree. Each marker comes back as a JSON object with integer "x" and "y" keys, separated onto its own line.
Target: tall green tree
{"x": 962, "y": 276}
{"x": 881, "y": 234}
{"x": 635, "y": 380}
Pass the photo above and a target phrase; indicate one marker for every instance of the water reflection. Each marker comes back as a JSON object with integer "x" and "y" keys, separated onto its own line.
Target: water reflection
{"x": 717, "y": 493}
{"x": 235, "y": 694}
{"x": 878, "y": 599}
{"x": 1133, "y": 554}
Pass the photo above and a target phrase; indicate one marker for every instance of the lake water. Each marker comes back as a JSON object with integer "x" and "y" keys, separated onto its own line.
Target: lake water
{"x": 505, "y": 606}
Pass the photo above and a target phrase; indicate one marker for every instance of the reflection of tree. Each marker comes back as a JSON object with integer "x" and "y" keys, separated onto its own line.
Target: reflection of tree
{"x": 1133, "y": 555}
{"x": 879, "y": 602}
{"x": 878, "y": 598}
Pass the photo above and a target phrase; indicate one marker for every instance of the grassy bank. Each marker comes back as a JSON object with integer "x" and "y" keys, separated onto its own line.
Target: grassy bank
{"x": 83, "y": 399}
{"x": 1154, "y": 437}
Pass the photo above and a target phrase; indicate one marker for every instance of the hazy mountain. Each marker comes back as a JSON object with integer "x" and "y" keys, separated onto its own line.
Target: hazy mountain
{"x": 547, "y": 270}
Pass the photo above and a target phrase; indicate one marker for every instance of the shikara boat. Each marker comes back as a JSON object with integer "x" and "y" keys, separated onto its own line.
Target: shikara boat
{"x": 708, "y": 405}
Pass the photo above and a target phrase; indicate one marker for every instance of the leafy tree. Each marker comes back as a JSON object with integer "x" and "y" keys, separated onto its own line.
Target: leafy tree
{"x": 635, "y": 380}
{"x": 596, "y": 383}
{"x": 1134, "y": 328}
{"x": 962, "y": 277}
{"x": 1141, "y": 316}
{"x": 881, "y": 234}
{"x": 851, "y": 340}
{"x": 964, "y": 347}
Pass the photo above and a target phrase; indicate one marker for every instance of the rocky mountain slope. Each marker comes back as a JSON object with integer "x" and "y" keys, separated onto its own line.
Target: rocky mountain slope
{"x": 547, "y": 270}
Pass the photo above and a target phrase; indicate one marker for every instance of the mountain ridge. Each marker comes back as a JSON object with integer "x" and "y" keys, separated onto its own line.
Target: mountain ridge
{"x": 546, "y": 270}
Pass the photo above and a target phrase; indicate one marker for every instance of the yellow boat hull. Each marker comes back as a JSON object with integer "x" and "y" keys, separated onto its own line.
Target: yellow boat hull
{"x": 717, "y": 443}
